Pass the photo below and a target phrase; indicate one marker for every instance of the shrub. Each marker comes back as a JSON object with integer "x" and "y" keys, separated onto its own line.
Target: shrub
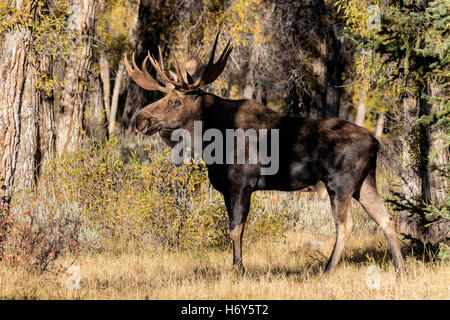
{"x": 39, "y": 233}
{"x": 154, "y": 201}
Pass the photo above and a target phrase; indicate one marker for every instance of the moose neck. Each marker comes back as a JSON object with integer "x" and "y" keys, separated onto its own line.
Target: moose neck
{"x": 220, "y": 113}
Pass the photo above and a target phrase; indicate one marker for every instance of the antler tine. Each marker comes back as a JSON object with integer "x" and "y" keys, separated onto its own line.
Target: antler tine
{"x": 219, "y": 66}
{"x": 161, "y": 62}
{"x": 160, "y": 70}
{"x": 181, "y": 83}
{"x": 213, "y": 51}
{"x": 142, "y": 78}
{"x": 213, "y": 70}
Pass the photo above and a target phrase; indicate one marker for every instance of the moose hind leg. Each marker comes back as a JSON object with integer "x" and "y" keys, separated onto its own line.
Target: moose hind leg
{"x": 373, "y": 204}
{"x": 344, "y": 226}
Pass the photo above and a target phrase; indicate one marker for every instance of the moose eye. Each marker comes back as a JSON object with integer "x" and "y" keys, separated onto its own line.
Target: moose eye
{"x": 175, "y": 104}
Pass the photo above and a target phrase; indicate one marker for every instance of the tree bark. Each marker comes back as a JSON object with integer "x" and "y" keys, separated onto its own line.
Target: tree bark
{"x": 95, "y": 121}
{"x": 25, "y": 173}
{"x": 250, "y": 80}
{"x": 46, "y": 123}
{"x": 76, "y": 75}
{"x": 16, "y": 113}
{"x": 292, "y": 100}
{"x": 327, "y": 66}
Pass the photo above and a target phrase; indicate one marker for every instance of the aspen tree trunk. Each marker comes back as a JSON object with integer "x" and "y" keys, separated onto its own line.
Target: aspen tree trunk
{"x": 76, "y": 77}
{"x": 380, "y": 125}
{"x": 104, "y": 75}
{"x": 115, "y": 98}
{"x": 361, "y": 111}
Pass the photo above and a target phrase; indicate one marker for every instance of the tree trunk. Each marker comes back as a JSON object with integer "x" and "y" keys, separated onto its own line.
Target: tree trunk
{"x": 361, "y": 111}
{"x": 115, "y": 98}
{"x": 16, "y": 113}
{"x": 46, "y": 133}
{"x": 76, "y": 76}
{"x": 440, "y": 185}
{"x": 327, "y": 67}
{"x": 250, "y": 81}
{"x": 413, "y": 171}
{"x": 319, "y": 69}
{"x": 106, "y": 81}
{"x": 418, "y": 181}
{"x": 95, "y": 121}
{"x": 25, "y": 173}
{"x": 292, "y": 100}
{"x": 334, "y": 68}
{"x": 344, "y": 111}
{"x": 380, "y": 125}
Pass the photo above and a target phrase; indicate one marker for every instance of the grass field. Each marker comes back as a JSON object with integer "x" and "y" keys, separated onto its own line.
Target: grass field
{"x": 284, "y": 269}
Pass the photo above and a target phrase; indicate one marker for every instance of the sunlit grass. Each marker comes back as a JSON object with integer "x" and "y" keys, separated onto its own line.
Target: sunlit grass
{"x": 287, "y": 269}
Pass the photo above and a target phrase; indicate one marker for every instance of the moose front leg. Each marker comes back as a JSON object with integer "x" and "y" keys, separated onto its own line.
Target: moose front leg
{"x": 238, "y": 205}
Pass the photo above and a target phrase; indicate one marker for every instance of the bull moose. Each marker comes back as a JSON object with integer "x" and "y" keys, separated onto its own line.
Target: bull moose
{"x": 339, "y": 153}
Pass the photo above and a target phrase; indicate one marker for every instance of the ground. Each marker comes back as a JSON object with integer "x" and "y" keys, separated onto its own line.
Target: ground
{"x": 288, "y": 268}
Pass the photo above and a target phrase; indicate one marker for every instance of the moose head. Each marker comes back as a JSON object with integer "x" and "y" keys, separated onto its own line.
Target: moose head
{"x": 179, "y": 106}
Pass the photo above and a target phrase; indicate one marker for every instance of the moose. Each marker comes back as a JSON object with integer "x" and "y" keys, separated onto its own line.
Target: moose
{"x": 339, "y": 153}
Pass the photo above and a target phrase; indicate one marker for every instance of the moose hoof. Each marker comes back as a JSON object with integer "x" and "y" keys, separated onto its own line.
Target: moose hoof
{"x": 239, "y": 270}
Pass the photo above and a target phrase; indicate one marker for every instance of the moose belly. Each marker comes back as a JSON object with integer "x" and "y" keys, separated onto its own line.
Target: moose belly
{"x": 291, "y": 177}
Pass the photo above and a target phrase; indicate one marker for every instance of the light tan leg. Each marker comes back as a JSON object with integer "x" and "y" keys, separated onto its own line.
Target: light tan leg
{"x": 344, "y": 226}
{"x": 373, "y": 204}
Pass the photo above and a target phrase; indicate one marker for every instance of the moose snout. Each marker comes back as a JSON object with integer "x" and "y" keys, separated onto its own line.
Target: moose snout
{"x": 142, "y": 123}
{"x": 147, "y": 124}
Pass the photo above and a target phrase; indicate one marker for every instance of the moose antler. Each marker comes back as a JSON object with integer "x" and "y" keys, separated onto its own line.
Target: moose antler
{"x": 143, "y": 77}
{"x": 184, "y": 81}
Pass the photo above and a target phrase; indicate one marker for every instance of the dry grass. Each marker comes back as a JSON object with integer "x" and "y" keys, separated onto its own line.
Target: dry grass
{"x": 288, "y": 269}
